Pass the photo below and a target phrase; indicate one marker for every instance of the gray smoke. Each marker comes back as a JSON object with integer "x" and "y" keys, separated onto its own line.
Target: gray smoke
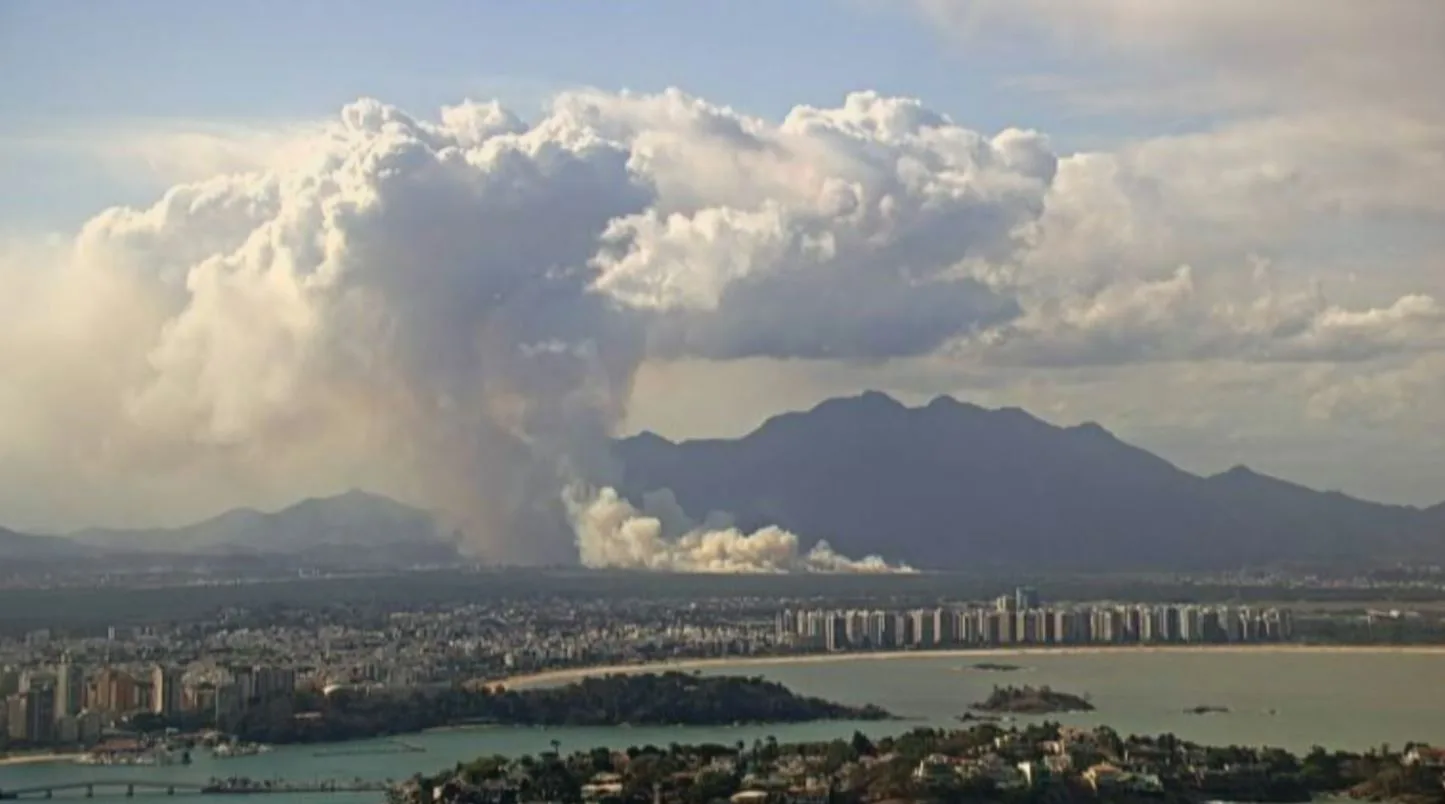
{"x": 453, "y": 311}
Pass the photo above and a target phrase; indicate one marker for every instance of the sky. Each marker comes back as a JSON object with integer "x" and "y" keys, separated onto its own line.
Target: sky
{"x": 253, "y": 252}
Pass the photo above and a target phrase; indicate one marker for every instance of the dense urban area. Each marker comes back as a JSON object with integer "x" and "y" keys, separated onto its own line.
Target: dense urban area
{"x": 239, "y": 670}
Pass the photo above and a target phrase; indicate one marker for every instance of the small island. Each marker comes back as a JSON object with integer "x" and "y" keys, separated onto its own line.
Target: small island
{"x": 995, "y": 667}
{"x": 1206, "y": 710}
{"x": 1028, "y": 700}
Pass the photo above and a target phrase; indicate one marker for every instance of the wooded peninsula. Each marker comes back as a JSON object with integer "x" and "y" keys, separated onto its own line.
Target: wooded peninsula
{"x": 671, "y": 698}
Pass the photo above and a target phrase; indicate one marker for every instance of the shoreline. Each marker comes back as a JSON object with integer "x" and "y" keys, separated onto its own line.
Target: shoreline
{"x": 38, "y": 759}
{"x": 570, "y": 674}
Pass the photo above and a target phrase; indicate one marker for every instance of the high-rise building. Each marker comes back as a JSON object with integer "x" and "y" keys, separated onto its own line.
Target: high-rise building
{"x": 1008, "y": 630}
{"x": 1108, "y": 625}
{"x": 16, "y": 722}
{"x": 227, "y": 704}
{"x": 69, "y": 688}
{"x": 245, "y": 680}
{"x": 1148, "y": 623}
{"x": 969, "y": 630}
{"x": 855, "y": 626}
{"x": 1133, "y": 625}
{"x": 1026, "y": 598}
{"x": 1064, "y": 626}
{"x": 1190, "y": 625}
{"x": 1233, "y": 623}
{"x": 40, "y": 713}
{"x": 30, "y": 714}
{"x": 113, "y": 691}
{"x": 787, "y": 626}
{"x": 167, "y": 691}
{"x": 924, "y": 628}
{"x": 1169, "y": 623}
{"x": 883, "y": 629}
{"x": 946, "y": 626}
{"x": 837, "y": 632}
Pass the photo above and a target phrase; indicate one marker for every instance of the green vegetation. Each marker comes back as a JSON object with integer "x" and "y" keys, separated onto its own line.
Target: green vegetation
{"x": 1028, "y": 700}
{"x": 1040, "y": 764}
{"x": 648, "y": 699}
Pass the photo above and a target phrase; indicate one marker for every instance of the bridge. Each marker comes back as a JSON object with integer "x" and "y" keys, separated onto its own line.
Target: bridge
{"x": 216, "y": 787}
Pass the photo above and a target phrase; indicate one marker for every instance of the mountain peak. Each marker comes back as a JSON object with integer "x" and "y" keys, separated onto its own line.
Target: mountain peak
{"x": 1239, "y": 472}
{"x": 647, "y": 438}
{"x": 868, "y": 400}
{"x": 943, "y": 403}
{"x": 1091, "y": 429}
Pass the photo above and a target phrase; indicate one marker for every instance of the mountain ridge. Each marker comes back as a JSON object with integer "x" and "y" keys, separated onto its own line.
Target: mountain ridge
{"x": 944, "y": 485}
{"x": 958, "y": 485}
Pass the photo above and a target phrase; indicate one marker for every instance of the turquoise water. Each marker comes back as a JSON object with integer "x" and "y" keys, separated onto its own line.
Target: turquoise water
{"x": 1345, "y": 700}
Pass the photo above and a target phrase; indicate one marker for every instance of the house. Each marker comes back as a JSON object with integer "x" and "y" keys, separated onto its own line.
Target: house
{"x": 1059, "y": 764}
{"x": 604, "y": 791}
{"x": 935, "y": 767}
{"x": 993, "y": 767}
{"x": 1425, "y": 756}
{"x": 1103, "y": 776}
{"x": 1035, "y": 773}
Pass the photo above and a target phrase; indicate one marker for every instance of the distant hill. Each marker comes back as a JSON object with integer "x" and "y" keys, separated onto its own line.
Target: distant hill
{"x": 22, "y": 546}
{"x": 953, "y": 485}
{"x": 329, "y": 527}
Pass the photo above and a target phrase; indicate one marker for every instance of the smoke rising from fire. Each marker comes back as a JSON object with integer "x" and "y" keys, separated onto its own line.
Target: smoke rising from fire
{"x": 611, "y": 532}
{"x": 453, "y": 311}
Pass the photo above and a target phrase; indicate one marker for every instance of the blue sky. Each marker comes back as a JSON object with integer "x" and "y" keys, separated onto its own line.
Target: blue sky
{"x": 84, "y": 66}
{"x": 289, "y": 59}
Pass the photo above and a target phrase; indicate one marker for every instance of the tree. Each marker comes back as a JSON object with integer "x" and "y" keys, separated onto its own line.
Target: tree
{"x": 862, "y": 746}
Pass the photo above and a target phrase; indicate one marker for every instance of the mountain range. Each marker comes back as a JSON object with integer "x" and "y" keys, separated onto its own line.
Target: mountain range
{"x": 951, "y": 485}
{"x": 948, "y": 485}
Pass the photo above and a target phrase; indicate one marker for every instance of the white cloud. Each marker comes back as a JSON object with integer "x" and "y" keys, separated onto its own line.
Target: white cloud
{"x": 454, "y": 310}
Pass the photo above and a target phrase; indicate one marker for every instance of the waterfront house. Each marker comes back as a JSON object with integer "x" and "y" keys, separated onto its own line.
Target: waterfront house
{"x": 1425, "y": 756}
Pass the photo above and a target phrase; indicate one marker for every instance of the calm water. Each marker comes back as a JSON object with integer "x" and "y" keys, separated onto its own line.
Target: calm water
{"x": 1345, "y": 700}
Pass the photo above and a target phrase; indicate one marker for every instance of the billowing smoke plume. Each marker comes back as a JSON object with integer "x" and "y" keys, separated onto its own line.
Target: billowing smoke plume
{"x": 453, "y": 312}
{"x": 611, "y": 532}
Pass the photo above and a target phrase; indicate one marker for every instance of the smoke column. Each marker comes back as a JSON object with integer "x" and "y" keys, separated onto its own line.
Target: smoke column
{"x": 453, "y": 311}
{"x": 611, "y": 532}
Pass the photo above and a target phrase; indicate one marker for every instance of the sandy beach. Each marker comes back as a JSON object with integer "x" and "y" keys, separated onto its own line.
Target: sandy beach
{"x": 575, "y": 673}
{"x": 37, "y": 759}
